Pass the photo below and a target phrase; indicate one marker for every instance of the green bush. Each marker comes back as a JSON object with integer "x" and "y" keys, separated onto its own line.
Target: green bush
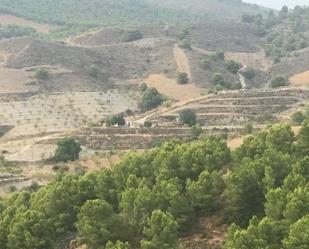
{"x": 196, "y": 131}
{"x": 117, "y": 119}
{"x": 151, "y": 99}
{"x": 143, "y": 87}
{"x": 93, "y": 71}
{"x": 220, "y": 55}
{"x": 278, "y": 81}
{"x": 182, "y": 78}
{"x": 218, "y": 79}
{"x": 130, "y": 36}
{"x": 42, "y": 74}
{"x": 67, "y": 150}
{"x": 246, "y": 18}
{"x": 188, "y": 117}
{"x": 248, "y": 73}
{"x": 232, "y": 66}
{"x": 298, "y": 117}
{"x": 248, "y": 128}
{"x": 9, "y": 31}
{"x": 205, "y": 64}
{"x": 148, "y": 124}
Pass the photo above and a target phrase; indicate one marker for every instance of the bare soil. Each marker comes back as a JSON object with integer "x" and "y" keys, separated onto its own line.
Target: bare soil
{"x": 170, "y": 88}
{"x": 182, "y": 61}
{"x": 300, "y": 80}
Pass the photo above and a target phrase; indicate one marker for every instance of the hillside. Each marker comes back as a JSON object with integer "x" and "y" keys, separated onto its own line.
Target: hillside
{"x": 178, "y": 195}
{"x": 106, "y": 12}
{"x": 149, "y": 124}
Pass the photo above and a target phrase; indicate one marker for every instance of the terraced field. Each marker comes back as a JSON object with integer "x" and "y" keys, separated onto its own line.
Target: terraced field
{"x": 230, "y": 109}
{"x": 221, "y": 113}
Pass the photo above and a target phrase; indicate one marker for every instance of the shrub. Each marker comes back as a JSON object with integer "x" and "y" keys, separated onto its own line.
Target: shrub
{"x": 220, "y": 55}
{"x": 218, "y": 79}
{"x": 248, "y": 73}
{"x": 205, "y": 64}
{"x": 186, "y": 44}
{"x": 196, "y": 131}
{"x": 147, "y": 124}
{"x": 151, "y": 99}
{"x": 278, "y": 81}
{"x": 68, "y": 150}
{"x": 42, "y": 74}
{"x": 188, "y": 117}
{"x": 182, "y": 78}
{"x": 232, "y": 66}
{"x": 234, "y": 86}
{"x": 143, "y": 87}
{"x": 246, "y": 18}
{"x": 131, "y": 36}
{"x": 93, "y": 71}
{"x": 248, "y": 128}
{"x": 117, "y": 119}
{"x": 298, "y": 117}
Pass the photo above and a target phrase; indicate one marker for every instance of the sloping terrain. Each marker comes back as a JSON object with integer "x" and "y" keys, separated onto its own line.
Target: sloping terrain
{"x": 220, "y": 35}
{"x": 14, "y": 20}
{"x": 296, "y": 64}
{"x": 232, "y": 109}
{"x": 107, "y": 12}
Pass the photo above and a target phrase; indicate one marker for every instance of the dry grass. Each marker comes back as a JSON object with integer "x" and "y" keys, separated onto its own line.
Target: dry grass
{"x": 255, "y": 60}
{"x": 170, "y": 88}
{"x": 16, "y": 81}
{"x": 61, "y": 112}
{"x": 235, "y": 143}
{"x": 300, "y": 80}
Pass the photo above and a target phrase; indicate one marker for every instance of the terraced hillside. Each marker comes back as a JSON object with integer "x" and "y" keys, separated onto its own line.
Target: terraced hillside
{"x": 230, "y": 109}
{"x": 217, "y": 114}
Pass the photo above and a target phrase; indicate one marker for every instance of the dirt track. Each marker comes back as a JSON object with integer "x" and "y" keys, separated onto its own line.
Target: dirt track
{"x": 182, "y": 61}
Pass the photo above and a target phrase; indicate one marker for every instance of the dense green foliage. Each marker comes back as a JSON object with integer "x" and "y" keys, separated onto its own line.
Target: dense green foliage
{"x": 278, "y": 81}
{"x": 68, "y": 150}
{"x": 232, "y": 66}
{"x": 80, "y": 14}
{"x": 188, "y": 117}
{"x": 182, "y": 78}
{"x": 151, "y": 99}
{"x": 284, "y": 32}
{"x": 74, "y": 16}
{"x": 9, "y": 31}
{"x": 117, "y": 119}
{"x": 248, "y": 72}
{"x": 220, "y": 83}
{"x": 281, "y": 215}
{"x": 130, "y": 36}
{"x": 148, "y": 200}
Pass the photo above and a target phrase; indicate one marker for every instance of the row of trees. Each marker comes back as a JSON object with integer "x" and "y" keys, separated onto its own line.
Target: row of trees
{"x": 148, "y": 200}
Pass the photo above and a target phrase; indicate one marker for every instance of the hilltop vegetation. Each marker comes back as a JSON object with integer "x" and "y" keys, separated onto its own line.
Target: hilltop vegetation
{"x": 93, "y": 13}
{"x": 80, "y": 15}
{"x": 149, "y": 200}
{"x": 284, "y": 32}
